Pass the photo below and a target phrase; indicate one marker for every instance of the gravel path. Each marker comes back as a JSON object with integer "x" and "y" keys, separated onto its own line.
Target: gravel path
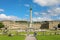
{"x": 30, "y": 37}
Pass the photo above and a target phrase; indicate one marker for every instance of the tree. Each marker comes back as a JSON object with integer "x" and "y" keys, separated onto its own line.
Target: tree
{"x": 1, "y": 25}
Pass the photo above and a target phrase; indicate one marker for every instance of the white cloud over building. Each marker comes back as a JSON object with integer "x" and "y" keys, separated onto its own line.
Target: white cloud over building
{"x": 5, "y": 17}
{"x": 47, "y": 2}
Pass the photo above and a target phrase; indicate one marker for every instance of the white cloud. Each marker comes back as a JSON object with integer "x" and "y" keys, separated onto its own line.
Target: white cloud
{"x": 47, "y": 2}
{"x": 49, "y": 15}
{"x": 54, "y": 11}
{"x": 57, "y": 10}
{"x": 5, "y": 17}
{"x": 42, "y": 19}
{"x": 36, "y": 13}
{"x": 27, "y": 5}
{"x": 1, "y": 10}
{"x": 26, "y": 15}
{"x": 44, "y": 14}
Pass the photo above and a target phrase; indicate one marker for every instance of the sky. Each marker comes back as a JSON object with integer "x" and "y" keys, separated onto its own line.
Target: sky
{"x": 42, "y": 10}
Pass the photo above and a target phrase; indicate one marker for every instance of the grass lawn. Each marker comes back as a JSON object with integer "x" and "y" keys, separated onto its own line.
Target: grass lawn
{"x": 51, "y": 37}
{"x": 5, "y": 37}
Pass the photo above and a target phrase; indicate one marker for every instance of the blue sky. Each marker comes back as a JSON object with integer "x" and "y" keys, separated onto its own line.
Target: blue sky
{"x": 19, "y": 10}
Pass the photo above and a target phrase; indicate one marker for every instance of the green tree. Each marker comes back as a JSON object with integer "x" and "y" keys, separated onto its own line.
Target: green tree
{"x": 1, "y": 25}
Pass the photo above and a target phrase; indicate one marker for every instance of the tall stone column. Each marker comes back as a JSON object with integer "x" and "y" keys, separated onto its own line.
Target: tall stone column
{"x": 30, "y": 24}
{"x": 30, "y": 18}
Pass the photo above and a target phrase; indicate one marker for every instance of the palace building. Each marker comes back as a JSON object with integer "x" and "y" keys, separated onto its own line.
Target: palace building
{"x": 36, "y": 25}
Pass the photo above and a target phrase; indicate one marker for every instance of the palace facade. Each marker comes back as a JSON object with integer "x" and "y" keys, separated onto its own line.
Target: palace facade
{"x": 36, "y": 25}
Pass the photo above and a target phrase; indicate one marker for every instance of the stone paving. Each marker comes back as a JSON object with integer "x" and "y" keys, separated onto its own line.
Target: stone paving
{"x": 30, "y": 37}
